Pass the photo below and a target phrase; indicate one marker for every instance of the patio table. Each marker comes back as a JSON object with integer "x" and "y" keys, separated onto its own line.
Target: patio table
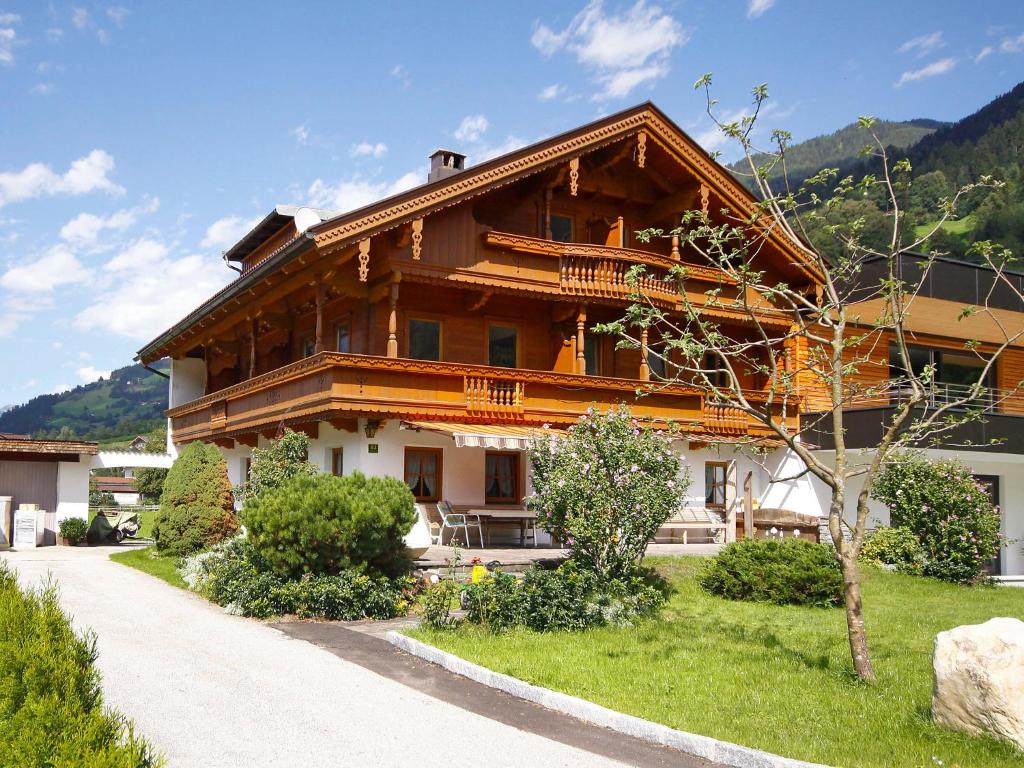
{"x": 524, "y": 517}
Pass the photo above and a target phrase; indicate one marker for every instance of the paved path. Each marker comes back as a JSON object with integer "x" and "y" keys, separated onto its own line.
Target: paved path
{"x": 214, "y": 690}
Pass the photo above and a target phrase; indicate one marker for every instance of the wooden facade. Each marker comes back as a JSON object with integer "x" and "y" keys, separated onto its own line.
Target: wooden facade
{"x": 531, "y": 248}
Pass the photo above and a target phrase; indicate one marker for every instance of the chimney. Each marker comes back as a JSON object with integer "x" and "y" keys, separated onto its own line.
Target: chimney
{"x": 445, "y": 163}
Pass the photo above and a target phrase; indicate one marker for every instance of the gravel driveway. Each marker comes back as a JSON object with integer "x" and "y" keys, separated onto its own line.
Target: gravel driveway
{"x": 215, "y": 690}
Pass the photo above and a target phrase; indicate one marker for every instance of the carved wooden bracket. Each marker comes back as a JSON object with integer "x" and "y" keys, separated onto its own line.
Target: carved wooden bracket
{"x": 641, "y": 149}
{"x": 477, "y": 301}
{"x": 705, "y": 191}
{"x": 364, "y": 259}
{"x": 574, "y": 176}
{"x": 417, "y": 238}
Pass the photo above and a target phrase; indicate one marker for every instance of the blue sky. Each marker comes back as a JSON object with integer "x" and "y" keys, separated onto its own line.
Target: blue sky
{"x": 137, "y": 141}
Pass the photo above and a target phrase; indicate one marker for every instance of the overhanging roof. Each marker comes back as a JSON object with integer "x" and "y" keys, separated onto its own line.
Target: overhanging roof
{"x": 10, "y": 447}
{"x": 398, "y": 209}
{"x": 268, "y": 227}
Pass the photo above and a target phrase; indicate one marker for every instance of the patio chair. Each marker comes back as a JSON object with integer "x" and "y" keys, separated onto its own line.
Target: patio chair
{"x": 451, "y": 520}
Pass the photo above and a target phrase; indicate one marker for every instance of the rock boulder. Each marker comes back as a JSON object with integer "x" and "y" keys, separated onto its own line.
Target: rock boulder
{"x": 979, "y": 679}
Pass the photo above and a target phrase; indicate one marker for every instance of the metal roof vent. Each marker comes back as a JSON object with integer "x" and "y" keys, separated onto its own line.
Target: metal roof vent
{"x": 445, "y": 163}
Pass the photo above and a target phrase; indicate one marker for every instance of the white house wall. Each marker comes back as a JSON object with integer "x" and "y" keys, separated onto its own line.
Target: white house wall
{"x": 72, "y": 489}
{"x": 187, "y": 382}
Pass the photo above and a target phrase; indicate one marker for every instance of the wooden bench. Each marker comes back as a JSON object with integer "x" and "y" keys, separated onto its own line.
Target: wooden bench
{"x": 698, "y": 519}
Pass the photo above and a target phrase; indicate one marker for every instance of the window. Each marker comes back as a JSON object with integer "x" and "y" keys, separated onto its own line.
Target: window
{"x": 342, "y": 337}
{"x": 954, "y": 372}
{"x": 656, "y": 363}
{"x": 308, "y": 346}
{"x": 502, "y": 346}
{"x": 425, "y": 339}
{"x": 718, "y": 376}
{"x": 501, "y": 478}
{"x": 561, "y": 228}
{"x": 592, "y": 354}
{"x": 423, "y": 473}
{"x": 338, "y": 461}
{"x": 715, "y": 483}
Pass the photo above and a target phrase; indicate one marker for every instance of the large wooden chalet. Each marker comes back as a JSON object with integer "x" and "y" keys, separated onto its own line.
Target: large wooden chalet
{"x": 431, "y": 333}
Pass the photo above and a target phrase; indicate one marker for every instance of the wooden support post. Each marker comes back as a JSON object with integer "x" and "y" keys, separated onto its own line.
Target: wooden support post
{"x": 581, "y": 339}
{"x": 748, "y": 507}
{"x": 675, "y": 247}
{"x": 645, "y": 367}
{"x": 252, "y": 348}
{"x": 321, "y": 295}
{"x": 392, "y": 350}
{"x": 547, "y": 214}
{"x": 622, "y": 232}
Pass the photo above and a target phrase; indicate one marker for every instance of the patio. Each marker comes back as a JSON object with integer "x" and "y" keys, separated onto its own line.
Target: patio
{"x": 514, "y": 559}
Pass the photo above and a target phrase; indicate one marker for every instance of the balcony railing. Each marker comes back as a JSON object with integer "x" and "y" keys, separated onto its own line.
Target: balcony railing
{"x": 962, "y": 397}
{"x": 330, "y": 386}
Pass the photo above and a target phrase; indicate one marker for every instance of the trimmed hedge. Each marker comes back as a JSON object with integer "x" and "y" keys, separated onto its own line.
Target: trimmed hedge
{"x": 51, "y": 705}
{"x": 785, "y": 572}
{"x": 325, "y": 524}
{"x": 196, "y": 507}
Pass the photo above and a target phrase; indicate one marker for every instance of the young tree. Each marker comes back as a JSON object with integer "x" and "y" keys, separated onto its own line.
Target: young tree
{"x": 815, "y": 337}
{"x": 273, "y": 466}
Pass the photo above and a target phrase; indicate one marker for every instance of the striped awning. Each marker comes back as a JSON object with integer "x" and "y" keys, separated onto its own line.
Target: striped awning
{"x": 501, "y": 436}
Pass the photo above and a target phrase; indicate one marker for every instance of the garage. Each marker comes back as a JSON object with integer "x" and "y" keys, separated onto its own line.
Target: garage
{"x": 52, "y": 474}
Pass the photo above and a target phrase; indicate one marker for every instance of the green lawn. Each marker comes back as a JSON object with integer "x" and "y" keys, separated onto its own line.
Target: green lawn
{"x": 775, "y": 678}
{"x": 954, "y": 227}
{"x": 148, "y": 560}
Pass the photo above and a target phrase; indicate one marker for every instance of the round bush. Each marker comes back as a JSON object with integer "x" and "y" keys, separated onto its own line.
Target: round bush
{"x": 196, "y": 506}
{"x": 895, "y": 547}
{"x": 73, "y": 529}
{"x": 949, "y": 512}
{"x": 325, "y": 524}
{"x": 784, "y": 572}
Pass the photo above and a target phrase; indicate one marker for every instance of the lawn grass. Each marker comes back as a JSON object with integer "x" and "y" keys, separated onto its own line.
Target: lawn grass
{"x": 953, "y": 227}
{"x": 775, "y": 678}
{"x": 148, "y": 560}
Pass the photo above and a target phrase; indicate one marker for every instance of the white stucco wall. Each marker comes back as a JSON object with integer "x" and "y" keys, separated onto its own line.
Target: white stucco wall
{"x": 73, "y": 489}
{"x": 1009, "y": 468}
{"x": 187, "y": 382}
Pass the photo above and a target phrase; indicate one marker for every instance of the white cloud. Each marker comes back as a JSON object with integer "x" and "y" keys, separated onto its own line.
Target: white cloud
{"x": 940, "y": 67}
{"x": 145, "y": 254}
{"x": 227, "y": 231}
{"x": 368, "y": 149}
{"x": 118, "y": 14}
{"x": 54, "y": 34}
{"x": 301, "y": 134}
{"x": 922, "y": 45}
{"x": 551, "y": 93}
{"x": 757, "y": 7}
{"x": 89, "y": 374}
{"x": 18, "y": 309}
{"x": 623, "y": 51}
{"x": 43, "y": 89}
{"x": 984, "y": 53}
{"x": 401, "y": 74}
{"x": 85, "y": 228}
{"x": 355, "y": 192}
{"x": 472, "y": 128}
{"x": 7, "y": 38}
{"x": 58, "y": 266}
{"x": 1012, "y": 44}
{"x": 7, "y": 19}
{"x": 61, "y": 388}
{"x": 80, "y": 18}
{"x": 87, "y": 174}
{"x": 140, "y": 303}
{"x": 487, "y": 151}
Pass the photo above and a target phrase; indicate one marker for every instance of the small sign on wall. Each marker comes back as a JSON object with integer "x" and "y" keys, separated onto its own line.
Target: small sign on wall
{"x": 372, "y": 448}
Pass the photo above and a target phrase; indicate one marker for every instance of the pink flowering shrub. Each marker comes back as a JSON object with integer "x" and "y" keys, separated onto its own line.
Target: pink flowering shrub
{"x": 605, "y": 488}
{"x": 949, "y": 512}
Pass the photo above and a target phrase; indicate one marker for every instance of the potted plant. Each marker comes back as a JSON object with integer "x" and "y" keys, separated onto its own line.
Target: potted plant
{"x": 72, "y": 531}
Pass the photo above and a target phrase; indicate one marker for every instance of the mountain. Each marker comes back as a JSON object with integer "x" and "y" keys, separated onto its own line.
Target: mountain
{"x": 842, "y": 147}
{"x": 130, "y": 402}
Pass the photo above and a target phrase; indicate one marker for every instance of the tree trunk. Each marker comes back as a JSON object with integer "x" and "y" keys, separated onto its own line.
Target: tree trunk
{"x": 855, "y": 618}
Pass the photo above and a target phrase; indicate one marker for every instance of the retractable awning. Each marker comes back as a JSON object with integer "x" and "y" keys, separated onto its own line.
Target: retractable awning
{"x": 501, "y": 436}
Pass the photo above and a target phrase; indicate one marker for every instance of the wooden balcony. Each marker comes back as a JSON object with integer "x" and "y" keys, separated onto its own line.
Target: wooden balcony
{"x": 599, "y": 271}
{"x": 333, "y": 386}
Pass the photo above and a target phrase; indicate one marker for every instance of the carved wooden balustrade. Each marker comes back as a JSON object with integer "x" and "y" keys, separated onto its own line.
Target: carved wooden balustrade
{"x": 724, "y": 419}
{"x": 494, "y": 397}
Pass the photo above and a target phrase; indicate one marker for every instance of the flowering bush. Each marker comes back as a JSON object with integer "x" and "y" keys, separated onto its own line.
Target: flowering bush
{"x": 949, "y": 512}
{"x": 605, "y": 488}
{"x": 279, "y": 462}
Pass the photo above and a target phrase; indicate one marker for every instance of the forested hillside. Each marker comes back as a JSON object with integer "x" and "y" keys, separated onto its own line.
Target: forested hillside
{"x": 130, "y": 402}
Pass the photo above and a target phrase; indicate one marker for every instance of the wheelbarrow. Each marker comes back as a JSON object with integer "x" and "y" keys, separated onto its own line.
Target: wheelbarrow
{"x": 113, "y": 525}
